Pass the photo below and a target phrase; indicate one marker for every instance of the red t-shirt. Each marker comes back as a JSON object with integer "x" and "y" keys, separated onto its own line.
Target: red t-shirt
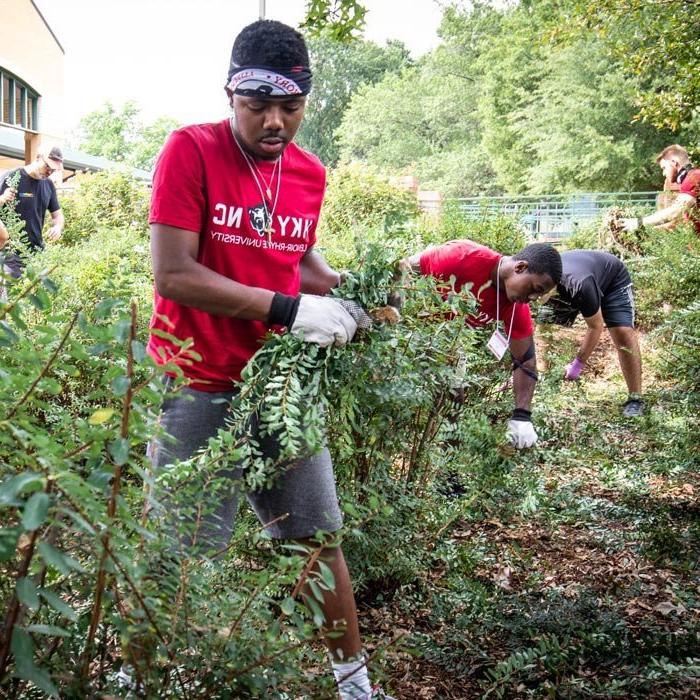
{"x": 471, "y": 263}
{"x": 691, "y": 186}
{"x": 202, "y": 183}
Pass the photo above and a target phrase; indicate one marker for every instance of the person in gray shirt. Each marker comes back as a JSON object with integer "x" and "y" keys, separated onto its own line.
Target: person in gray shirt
{"x": 597, "y": 285}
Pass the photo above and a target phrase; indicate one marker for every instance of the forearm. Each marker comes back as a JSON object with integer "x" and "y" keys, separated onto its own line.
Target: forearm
{"x": 201, "y": 288}
{"x": 524, "y": 371}
{"x": 669, "y": 214}
{"x": 524, "y": 384}
{"x": 589, "y": 343}
{"x": 58, "y": 221}
{"x": 317, "y": 276}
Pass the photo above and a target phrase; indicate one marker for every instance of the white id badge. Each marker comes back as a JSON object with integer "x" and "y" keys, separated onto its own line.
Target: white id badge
{"x": 498, "y": 344}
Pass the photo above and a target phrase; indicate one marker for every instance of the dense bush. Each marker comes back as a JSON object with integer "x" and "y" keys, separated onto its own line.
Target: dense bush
{"x": 499, "y": 232}
{"x": 360, "y": 204}
{"x": 110, "y": 263}
{"x": 108, "y": 199}
{"x": 86, "y": 574}
{"x": 667, "y": 275}
{"x": 680, "y": 360}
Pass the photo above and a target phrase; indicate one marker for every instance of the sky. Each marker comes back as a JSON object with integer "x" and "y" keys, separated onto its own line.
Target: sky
{"x": 171, "y": 56}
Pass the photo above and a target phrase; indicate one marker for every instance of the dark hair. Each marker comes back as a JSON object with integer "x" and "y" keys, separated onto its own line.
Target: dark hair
{"x": 56, "y": 154}
{"x": 541, "y": 259}
{"x": 269, "y": 43}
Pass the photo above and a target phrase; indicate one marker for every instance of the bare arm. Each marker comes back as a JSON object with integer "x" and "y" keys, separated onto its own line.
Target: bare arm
{"x": 317, "y": 276}
{"x": 57, "y": 223}
{"x": 4, "y": 235}
{"x": 524, "y": 383}
{"x": 595, "y": 328}
{"x": 672, "y": 213}
{"x": 178, "y": 276}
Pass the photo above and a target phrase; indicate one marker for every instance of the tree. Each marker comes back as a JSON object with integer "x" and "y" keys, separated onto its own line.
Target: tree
{"x": 339, "y": 70}
{"x": 109, "y": 132}
{"x": 504, "y": 105}
{"x": 657, "y": 42}
{"x": 339, "y": 19}
{"x": 151, "y": 139}
{"x": 425, "y": 116}
{"x": 581, "y": 126}
{"x": 119, "y": 135}
{"x": 560, "y": 116}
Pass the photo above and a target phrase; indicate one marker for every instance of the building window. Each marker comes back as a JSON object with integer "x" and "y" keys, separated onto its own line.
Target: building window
{"x": 6, "y": 87}
{"x": 31, "y": 112}
{"x": 18, "y": 102}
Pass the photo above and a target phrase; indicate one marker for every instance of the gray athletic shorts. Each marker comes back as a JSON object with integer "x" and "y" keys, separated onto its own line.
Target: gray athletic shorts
{"x": 617, "y": 308}
{"x": 301, "y": 501}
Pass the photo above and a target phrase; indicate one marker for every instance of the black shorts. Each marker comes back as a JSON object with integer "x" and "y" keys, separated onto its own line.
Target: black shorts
{"x": 617, "y": 308}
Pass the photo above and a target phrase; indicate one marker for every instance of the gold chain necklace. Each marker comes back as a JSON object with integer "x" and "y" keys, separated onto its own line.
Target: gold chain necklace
{"x": 254, "y": 171}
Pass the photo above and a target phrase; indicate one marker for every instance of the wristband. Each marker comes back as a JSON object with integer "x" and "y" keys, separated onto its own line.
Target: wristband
{"x": 522, "y": 414}
{"x": 283, "y": 310}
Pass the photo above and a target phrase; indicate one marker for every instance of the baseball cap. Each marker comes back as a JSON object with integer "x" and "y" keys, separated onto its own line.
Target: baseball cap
{"x": 55, "y": 154}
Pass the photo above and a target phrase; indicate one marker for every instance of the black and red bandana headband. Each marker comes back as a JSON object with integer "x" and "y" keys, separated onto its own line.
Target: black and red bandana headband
{"x": 263, "y": 81}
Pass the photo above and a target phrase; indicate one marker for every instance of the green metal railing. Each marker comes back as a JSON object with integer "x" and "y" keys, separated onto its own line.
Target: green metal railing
{"x": 556, "y": 215}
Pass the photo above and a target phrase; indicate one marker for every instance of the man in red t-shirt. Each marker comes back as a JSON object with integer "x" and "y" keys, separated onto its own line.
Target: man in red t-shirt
{"x": 675, "y": 163}
{"x": 503, "y": 285}
{"x": 233, "y": 225}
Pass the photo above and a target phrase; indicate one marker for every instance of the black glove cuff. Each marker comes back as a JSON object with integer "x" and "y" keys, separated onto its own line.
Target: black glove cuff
{"x": 522, "y": 414}
{"x": 283, "y": 310}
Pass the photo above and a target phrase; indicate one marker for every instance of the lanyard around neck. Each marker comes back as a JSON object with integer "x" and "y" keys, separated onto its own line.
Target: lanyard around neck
{"x": 498, "y": 299}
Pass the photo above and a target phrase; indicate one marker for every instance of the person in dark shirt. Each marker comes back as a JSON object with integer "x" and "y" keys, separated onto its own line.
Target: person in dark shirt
{"x": 34, "y": 194}
{"x": 598, "y": 285}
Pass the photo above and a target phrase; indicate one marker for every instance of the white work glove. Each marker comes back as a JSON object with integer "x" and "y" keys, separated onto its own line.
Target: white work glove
{"x": 631, "y": 224}
{"x": 323, "y": 320}
{"x": 520, "y": 431}
{"x": 316, "y": 319}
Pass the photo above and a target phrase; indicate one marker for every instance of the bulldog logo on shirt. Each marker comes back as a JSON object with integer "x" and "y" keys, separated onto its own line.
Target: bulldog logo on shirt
{"x": 260, "y": 219}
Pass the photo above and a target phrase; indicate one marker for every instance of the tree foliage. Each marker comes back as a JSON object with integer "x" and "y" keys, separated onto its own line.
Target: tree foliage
{"x": 340, "y": 68}
{"x": 341, "y": 20}
{"x": 505, "y": 104}
{"x": 657, "y": 43}
{"x": 121, "y": 136}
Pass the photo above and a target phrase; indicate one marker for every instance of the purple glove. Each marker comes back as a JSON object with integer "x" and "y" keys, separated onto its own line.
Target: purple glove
{"x": 574, "y": 369}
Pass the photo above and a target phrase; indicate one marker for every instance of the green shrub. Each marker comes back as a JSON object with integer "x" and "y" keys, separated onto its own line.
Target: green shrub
{"x": 112, "y": 262}
{"x": 667, "y": 275}
{"x": 111, "y": 198}
{"x": 361, "y": 204}
{"x": 585, "y": 237}
{"x": 680, "y": 340}
{"x": 498, "y": 232}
